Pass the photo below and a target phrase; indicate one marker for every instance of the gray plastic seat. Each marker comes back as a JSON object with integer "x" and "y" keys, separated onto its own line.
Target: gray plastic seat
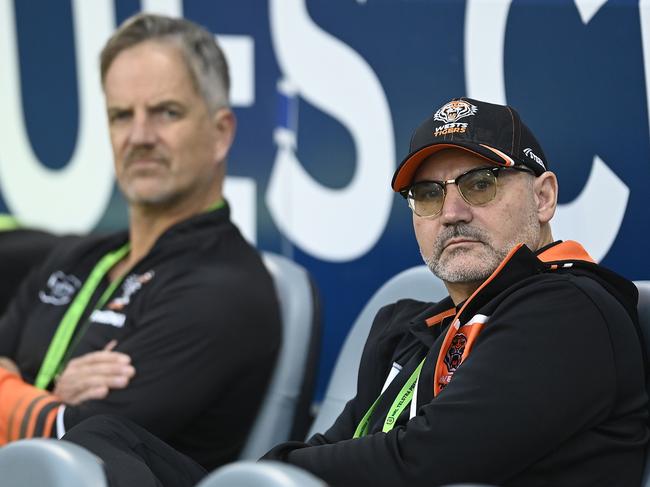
{"x": 49, "y": 463}
{"x": 260, "y": 474}
{"x": 417, "y": 283}
{"x": 285, "y": 411}
{"x": 644, "y": 320}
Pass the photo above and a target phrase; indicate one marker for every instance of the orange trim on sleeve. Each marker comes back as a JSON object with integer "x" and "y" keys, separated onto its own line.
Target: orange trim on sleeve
{"x": 40, "y": 403}
{"x": 10, "y": 424}
{"x": 49, "y": 423}
{"x": 21, "y": 403}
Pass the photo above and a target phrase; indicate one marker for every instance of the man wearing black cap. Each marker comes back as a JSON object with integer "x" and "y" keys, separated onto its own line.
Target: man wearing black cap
{"x": 530, "y": 373}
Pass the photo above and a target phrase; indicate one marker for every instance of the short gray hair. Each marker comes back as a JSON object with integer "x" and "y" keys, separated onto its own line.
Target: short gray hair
{"x": 205, "y": 60}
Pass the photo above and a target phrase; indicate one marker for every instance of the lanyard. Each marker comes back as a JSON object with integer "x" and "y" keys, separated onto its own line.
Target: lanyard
{"x": 8, "y": 222}
{"x": 215, "y": 206}
{"x": 59, "y": 344}
{"x": 400, "y": 403}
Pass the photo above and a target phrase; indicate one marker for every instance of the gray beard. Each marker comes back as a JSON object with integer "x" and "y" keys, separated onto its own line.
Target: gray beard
{"x": 444, "y": 269}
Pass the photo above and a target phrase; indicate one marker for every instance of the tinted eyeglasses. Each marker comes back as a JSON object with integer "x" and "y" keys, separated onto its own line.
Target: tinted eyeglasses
{"x": 477, "y": 187}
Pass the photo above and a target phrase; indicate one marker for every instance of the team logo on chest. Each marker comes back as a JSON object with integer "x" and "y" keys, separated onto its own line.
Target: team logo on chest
{"x": 131, "y": 285}
{"x": 113, "y": 314}
{"x": 454, "y": 355}
{"x": 60, "y": 289}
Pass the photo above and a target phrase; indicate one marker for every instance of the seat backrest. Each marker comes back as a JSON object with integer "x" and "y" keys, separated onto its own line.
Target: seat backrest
{"x": 284, "y": 413}
{"x": 644, "y": 320}
{"x": 644, "y": 311}
{"x": 49, "y": 462}
{"x": 416, "y": 283}
{"x": 255, "y": 474}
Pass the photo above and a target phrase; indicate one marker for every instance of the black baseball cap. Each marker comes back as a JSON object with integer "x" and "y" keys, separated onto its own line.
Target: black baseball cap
{"x": 493, "y": 132}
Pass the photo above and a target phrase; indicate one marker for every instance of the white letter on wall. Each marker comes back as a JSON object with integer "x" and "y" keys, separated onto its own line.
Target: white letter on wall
{"x": 75, "y": 197}
{"x": 595, "y": 215}
{"x": 331, "y": 224}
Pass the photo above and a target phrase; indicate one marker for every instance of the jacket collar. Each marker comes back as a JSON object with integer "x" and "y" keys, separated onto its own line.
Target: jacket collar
{"x": 519, "y": 264}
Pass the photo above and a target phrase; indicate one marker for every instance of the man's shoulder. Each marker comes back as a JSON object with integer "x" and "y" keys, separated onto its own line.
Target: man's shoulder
{"x": 73, "y": 251}
{"x": 404, "y": 312}
{"x": 575, "y": 289}
{"x": 393, "y": 321}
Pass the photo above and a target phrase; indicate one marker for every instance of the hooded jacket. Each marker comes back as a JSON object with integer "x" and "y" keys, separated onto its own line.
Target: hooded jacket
{"x": 552, "y": 393}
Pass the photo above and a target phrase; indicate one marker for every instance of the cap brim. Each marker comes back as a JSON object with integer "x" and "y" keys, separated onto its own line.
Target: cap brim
{"x": 407, "y": 169}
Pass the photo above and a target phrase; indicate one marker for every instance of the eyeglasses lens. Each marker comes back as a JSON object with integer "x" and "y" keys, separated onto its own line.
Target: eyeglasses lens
{"x": 426, "y": 198}
{"x": 476, "y": 187}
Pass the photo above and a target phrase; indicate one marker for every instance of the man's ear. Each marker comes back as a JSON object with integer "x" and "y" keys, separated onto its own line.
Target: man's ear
{"x": 546, "y": 190}
{"x": 225, "y": 124}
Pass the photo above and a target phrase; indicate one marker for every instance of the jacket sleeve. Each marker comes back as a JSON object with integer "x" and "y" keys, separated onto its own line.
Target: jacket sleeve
{"x": 13, "y": 318}
{"x": 541, "y": 372}
{"x": 387, "y": 328}
{"x": 25, "y": 411}
{"x": 197, "y": 344}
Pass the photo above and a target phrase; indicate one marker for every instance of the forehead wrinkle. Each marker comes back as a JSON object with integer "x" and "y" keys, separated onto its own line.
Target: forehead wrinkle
{"x": 151, "y": 72}
{"x": 436, "y": 168}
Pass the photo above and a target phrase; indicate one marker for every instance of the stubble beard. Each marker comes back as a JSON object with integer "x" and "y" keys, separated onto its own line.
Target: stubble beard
{"x": 131, "y": 185}
{"x": 463, "y": 265}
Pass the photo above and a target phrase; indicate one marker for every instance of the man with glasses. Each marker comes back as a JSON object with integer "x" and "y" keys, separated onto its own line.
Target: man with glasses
{"x": 530, "y": 373}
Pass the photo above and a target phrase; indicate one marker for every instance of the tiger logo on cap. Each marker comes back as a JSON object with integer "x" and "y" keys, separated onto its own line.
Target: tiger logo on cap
{"x": 454, "y": 111}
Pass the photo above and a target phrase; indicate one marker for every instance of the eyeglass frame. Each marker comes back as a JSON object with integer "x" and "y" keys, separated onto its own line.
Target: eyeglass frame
{"x": 494, "y": 169}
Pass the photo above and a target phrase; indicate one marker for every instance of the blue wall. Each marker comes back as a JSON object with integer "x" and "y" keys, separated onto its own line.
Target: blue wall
{"x": 335, "y": 87}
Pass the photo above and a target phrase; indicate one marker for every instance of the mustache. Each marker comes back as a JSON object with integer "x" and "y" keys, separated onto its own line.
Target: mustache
{"x": 455, "y": 231}
{"x": 144, "y": 152}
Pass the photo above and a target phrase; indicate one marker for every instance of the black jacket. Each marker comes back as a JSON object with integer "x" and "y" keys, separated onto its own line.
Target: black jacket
{"x": 552, "y": 393}
{"x": 198, "y": 316}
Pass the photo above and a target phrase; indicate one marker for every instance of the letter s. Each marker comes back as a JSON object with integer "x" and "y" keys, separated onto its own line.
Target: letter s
{"x": 334, "y": 225}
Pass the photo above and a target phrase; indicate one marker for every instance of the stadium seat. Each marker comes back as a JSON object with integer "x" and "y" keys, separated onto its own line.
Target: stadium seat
{"x": 285, "y": 413}
{"x": 49, "y": 463}
{"x": 417, "y": 283}
{"x": 260, "y": 474}
{"x": 644, "y": 320}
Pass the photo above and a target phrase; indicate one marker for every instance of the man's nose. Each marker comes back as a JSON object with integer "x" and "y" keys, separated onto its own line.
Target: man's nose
{"x": 143, "y": 131}
{"x": 455, "y": 209}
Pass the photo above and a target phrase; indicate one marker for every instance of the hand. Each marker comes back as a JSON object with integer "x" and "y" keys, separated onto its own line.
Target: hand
{"x": 93, "y": 375}
{"x": 10, "y": 365}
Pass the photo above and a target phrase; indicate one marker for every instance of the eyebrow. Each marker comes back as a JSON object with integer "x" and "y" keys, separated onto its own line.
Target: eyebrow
{"x": 150, "y": 108}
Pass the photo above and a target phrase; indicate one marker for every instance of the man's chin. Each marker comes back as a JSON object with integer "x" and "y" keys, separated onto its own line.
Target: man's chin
{"x": 466, "y": 266}
{"x": 147, "y": 198}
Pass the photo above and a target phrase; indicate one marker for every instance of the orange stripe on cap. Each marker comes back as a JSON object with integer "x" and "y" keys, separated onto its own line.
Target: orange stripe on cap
{"x": 508, "y": 161}
{"x": 409, "y": 167}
